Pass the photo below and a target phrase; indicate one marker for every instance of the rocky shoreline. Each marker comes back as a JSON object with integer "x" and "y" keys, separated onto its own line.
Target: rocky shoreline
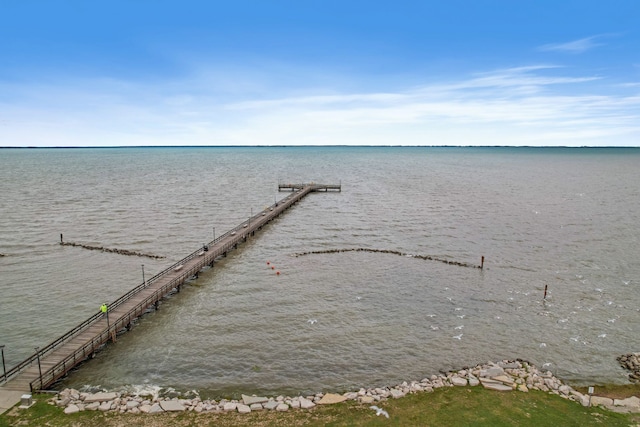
{"x": 631, "y": 362}
{"x": 505, "y": 376}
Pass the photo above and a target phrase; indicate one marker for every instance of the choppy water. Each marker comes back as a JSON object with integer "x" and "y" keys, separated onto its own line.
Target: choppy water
{"x": 566, "y": 218}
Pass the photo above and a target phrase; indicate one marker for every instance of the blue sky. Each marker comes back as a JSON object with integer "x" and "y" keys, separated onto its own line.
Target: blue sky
{"x": 142, "y": 72}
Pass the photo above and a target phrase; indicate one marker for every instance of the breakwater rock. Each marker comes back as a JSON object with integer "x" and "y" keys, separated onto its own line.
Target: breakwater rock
{"x": 391, "y": 252}
{"x": 503, "y": 376}
{"x": 631, "y": 362}
{"x": 111, "y": 250}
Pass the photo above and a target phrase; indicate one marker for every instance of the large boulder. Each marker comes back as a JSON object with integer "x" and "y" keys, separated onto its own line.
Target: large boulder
{"x": 331, "y": 398}
{"x": 172, "y": 406}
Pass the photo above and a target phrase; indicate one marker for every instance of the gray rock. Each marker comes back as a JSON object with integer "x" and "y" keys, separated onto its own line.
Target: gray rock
{"x": 100, "y": 397}
{"x": 509, "y": 365}
{"x": 504, "y": 379}
{"x": 229, "y": 406}
{"x": 272, "y": 404}
{"x": 473, "y": 381}
{"x": 282, "y": 407}
{"x": 256, "y": 407}
{"x": 243, "y": 409}
{"x": 494, "y": 371}
{"x": 306, "y": 403}
{"x": 460, "y": 382}
{"x": 63, "y": 402}
{"x": 71, "y": 409}
{"x": 105, "y": 406}
{"x": 396, "y": 394}
{"x": 172, "y": 406}
{"x": 416, "y": 387}
{"x": 332, "y": 398}
{"x": 630, "y": 402}
{"x": 366, "y": 399}
{"x": 583, "y": 399}
{"x": 250, "y": 400}
{"x": 495, "y": 385}
{"x": 564, "y": 389}
{"x": 601, "y": 401}
{"x": 145, "y": 408}
{"x": 155, "y": 409}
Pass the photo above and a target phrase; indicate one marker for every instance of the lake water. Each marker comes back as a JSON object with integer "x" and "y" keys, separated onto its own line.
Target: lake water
{"x": 563, "y": 218}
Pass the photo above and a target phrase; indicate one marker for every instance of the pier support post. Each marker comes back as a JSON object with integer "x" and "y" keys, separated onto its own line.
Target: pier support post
{"x": 482, "y": 263}
{"x": 545, "y": 292}
{"x": 156, "y": 305}
{"x": 61, "y": 242}
{"x": 4, "y": 368}
{"x": 39, "y": 367}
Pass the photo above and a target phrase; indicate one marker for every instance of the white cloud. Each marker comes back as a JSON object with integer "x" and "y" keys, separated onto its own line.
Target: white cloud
{"x": 575, "y": 46}
{"x": 516, "y": 106}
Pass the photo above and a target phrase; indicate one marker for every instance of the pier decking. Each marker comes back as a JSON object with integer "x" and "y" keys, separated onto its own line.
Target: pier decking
{"x": 52, "y": 362}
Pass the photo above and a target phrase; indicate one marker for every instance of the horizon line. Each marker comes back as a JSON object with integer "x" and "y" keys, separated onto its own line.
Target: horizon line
{"x": 314, "y": 146}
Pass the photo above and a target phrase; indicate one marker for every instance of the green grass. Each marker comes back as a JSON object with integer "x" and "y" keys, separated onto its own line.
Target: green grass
{"x": 454, "y": 406}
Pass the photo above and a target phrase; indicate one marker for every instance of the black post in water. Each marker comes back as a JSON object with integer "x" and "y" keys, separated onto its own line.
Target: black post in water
{"x": 60, "y": 238}
{"x": 4, "y": 368}
{"x": 39, "y": 367}
{"x": 143, "y": 281}
{"x": 482, "y": 263}
{"x": 545, "y": 292}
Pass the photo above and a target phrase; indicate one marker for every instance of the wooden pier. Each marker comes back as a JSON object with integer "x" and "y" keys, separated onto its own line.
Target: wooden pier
{"x": 53, "y": 361}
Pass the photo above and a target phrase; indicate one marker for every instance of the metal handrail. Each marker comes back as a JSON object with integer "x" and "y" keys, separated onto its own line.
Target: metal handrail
{"x": 258, "y": 220}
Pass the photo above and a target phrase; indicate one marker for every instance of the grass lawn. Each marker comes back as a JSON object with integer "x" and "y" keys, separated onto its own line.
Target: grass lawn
{"x": 453, "y": 406}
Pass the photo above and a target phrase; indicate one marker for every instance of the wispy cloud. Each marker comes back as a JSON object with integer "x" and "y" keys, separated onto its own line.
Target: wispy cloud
{"x": 575, "y": 46}
{"x": 534, "y": 105}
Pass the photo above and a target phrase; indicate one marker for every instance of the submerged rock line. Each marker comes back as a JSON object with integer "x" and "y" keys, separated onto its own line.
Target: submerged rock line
{"x": 111, "y": 250}
{"x": 392, "y": 252}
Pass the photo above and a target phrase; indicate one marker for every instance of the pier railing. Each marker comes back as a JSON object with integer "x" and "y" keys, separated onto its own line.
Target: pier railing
{"x": 218, "y": 247}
